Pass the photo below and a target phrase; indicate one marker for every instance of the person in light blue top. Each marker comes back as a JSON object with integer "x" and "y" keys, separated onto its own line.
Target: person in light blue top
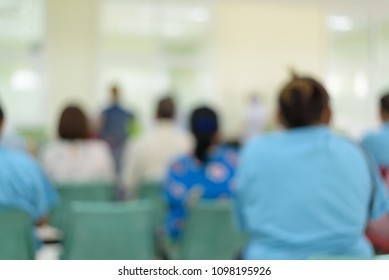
{"x": 208, "y": 174}
{"x": 23, "y": 184}
{"x": 305, "y": 192}
{"x": 377, "y": 143}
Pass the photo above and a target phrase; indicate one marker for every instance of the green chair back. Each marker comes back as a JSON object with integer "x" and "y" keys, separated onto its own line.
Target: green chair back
{"x": 339, "y": 258}
{"x": 16, "y": 236}
{"x": 348, "y": 258}
{"x": 69, "y": 193}
{"x": 153, "y": 191}
{"x": 110, "y": 231}
{"x": 382, "y": 257}
{"x": 210, "y": 233}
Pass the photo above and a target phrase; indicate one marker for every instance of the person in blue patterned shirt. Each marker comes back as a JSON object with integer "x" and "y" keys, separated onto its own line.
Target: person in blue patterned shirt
{"x": 207, "y": 174}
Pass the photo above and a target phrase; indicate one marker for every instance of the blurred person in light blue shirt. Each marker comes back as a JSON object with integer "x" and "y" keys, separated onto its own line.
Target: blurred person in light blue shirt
{"x": 23, "y": 184}
{"x": 207, "y": 174}
{"x": 377, "y": 143}
{"x": 305, "y": 192}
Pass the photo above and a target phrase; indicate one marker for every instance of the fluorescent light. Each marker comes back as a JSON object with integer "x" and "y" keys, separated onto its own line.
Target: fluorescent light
{"x": 361, "y": 85}
{"x": 340, "y": 23}
{"x": 24, "y": 80}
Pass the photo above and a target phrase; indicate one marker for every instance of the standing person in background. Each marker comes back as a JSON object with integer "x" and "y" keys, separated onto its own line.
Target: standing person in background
{"x": 23, "y": 184}
{"x": 377, "y": 145}
{"x": 206, "y": 173}
{"x": 146, "y": 158}
{"x": 75, "y": 157}
{"x": 115, "y": 124}
{"x": 255, "y": 118}
{"x": 306, "y": 192}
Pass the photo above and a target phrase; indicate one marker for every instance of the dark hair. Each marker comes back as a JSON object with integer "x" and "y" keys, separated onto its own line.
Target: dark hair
{"x": 302, "y": 102}
{"x": 73, "y": 124}
{"x": 384, "y": 102}
{"x": 166, "y": 108}
{"x": 1, "y": 114}
{"x": 204, "y": 125}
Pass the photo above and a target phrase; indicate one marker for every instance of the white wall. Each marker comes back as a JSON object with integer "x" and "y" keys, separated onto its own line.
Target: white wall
{"x": 255, "y": 45}
{"x": 71, "y": 54}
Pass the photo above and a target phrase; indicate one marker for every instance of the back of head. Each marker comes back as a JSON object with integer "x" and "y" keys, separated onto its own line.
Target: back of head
{"x": 73, "y": 124}
{"x": 384, "y": 104}
{"x": 1, "y": 119}
{"x": 115, "y": 92}
{"x": 303, "y": 102}
{"x": 166, "y": 108}
{"x": 204, "y": 126}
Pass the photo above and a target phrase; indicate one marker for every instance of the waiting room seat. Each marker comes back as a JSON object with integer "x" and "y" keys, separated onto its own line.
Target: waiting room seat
{"x": 210, "y": 233}
{"x": 153, "y": 191}
{"x": 16, "y": 236}
{"x": 109, "y": 231}
{"x": 78, "y": 192}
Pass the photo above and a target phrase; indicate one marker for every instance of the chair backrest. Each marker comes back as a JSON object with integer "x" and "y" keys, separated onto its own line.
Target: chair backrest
{"x": 69, "y": 193}
{"x": 150, "y": 190}
{"x": 153, "y": 191}
{"x": 110, "y": 231}
{"x": 210, "y": 233}
{"x": 382, "y": 257}
{"x": 16, "y": 236}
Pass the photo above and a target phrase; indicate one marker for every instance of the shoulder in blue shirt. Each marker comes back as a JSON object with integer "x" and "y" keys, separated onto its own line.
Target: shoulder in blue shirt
{"x": 305, "y": 192}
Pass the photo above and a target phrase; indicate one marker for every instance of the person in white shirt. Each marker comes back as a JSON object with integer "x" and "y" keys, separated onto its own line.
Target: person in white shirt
{"x": 255, "y": 118}
{"x": 75, "y": 157}
{"x": 148, "y": 157}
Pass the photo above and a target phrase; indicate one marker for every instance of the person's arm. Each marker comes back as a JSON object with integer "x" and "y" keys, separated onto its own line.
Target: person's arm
{"x": 241, "y": 187}
{"x": 379, "y": 205}
{"x": 174, "y": 191}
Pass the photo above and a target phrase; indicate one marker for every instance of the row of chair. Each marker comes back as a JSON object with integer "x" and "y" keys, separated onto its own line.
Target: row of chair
{"x": 95, "y": 227}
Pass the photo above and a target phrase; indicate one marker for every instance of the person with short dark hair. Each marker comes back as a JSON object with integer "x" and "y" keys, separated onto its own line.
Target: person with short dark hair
{"x": 73, "y": 124}
{"x": 75, "y": 157}
{"x": 23, "y": 184}
{"x": 205, "y": 173}
{"x": 306, "y": 192}
{"x": 146, "y": 158}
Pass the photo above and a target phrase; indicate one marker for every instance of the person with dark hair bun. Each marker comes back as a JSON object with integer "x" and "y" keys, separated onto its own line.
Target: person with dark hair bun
{"x": 75, "y": 157}
{"x": 305, "y": 192}
{"x": 206, "y": 174}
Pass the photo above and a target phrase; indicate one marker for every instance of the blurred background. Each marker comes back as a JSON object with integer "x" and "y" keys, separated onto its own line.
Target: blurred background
{"x": 218, "y": 51}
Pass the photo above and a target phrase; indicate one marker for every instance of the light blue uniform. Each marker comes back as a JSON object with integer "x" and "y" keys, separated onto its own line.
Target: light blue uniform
{"x": 305, "y": 193}
{"x": 23, "y": 184}
{"x": 377, "y": 144}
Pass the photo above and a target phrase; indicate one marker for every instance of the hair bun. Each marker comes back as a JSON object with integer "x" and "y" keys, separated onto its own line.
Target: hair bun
{"x": 293, "y": 73}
